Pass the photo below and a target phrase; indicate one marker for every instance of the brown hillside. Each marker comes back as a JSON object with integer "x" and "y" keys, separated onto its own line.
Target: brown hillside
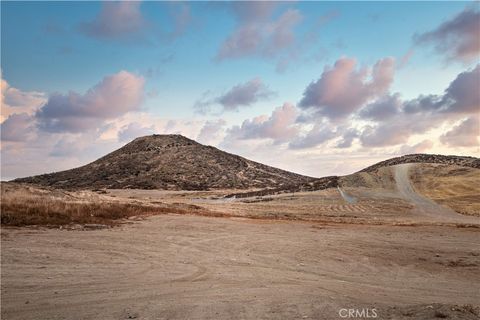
{"x": 379, "y": 175}
{"x": 462, "y": 161}
{"x": 171, "y": 162}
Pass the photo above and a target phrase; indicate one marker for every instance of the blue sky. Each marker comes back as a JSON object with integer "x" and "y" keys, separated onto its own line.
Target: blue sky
{"x": 176, "y": 50}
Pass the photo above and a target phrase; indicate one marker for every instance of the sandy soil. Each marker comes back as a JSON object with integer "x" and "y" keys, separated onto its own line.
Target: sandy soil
{"x": 187, "y": 267}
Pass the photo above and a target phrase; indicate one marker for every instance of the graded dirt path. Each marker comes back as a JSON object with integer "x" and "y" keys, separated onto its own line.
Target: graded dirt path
{"x": 187, "y": 267}
{"x": 423, "y": 206}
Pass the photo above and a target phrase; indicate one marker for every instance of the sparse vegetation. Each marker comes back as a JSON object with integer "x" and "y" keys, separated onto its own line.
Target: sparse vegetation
{"x": 26, "y": 205}
{"x": 58, "y": 212}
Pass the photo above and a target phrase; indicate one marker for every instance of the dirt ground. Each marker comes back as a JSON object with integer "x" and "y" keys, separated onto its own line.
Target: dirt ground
{"x": 187, "y": 267}
{"x": 392, "y": 254}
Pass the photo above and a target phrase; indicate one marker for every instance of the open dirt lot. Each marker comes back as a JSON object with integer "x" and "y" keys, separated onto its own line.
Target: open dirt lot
{"x": 187, "y": 267}
{"x": 393, "y": 253}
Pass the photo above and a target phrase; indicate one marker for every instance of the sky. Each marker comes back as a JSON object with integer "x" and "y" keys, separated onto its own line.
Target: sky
{"x": 317, "y": 88}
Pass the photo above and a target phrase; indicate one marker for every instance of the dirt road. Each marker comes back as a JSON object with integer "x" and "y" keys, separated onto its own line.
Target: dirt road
{"x": 425, "y": 207}
{"x": 187, "y": 267}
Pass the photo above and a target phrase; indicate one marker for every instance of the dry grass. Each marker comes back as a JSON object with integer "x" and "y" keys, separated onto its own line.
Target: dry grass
{"x": 452, "y": 186}
{"x": 324, "y": 205}
{"x": 27, "y": 205}
{"x": 380, "y": 178}
{"x": 58, "y": 212}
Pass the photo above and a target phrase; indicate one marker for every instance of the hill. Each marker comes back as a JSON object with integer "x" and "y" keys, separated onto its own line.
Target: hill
{"x": 170, "y": 162}
{"x": 378, "y": 175}
{"x": 174, "y": 162}
{"x": 462, "y": 161}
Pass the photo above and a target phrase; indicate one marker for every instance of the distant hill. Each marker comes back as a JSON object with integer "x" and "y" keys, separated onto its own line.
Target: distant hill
{"x": 170, "y": 162}
{"x": 377, "y": 175}
{"x": 463, "y": 161}
{"x": 174, "y": 162}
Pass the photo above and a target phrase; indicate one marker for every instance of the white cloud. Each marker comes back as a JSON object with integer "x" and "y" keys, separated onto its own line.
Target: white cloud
{"x": 14, "y": 100}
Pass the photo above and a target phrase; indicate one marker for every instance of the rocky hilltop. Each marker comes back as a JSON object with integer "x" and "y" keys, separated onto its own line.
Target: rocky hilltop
{"x": 463, "y": 161}
{"x": 170, "y": 162}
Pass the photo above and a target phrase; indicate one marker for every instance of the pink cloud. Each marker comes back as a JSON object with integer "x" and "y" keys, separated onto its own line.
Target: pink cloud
{"x": 114, "y": 96}
{"x": 14, "y": 100}
{"x": 396, "y": 120}
{"x": 343, "y": 88}
{"x": 279, "y": 126}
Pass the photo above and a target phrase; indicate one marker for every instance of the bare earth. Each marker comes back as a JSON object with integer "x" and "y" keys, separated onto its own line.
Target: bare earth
{"x": 186, "y": 267}
{"x": 393, "y": 251}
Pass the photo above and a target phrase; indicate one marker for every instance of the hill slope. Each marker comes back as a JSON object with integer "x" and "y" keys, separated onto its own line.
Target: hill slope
{"x": 379, "y": 175}
{"x": 462, "y": 161}
{"x": 171, "y": 162}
